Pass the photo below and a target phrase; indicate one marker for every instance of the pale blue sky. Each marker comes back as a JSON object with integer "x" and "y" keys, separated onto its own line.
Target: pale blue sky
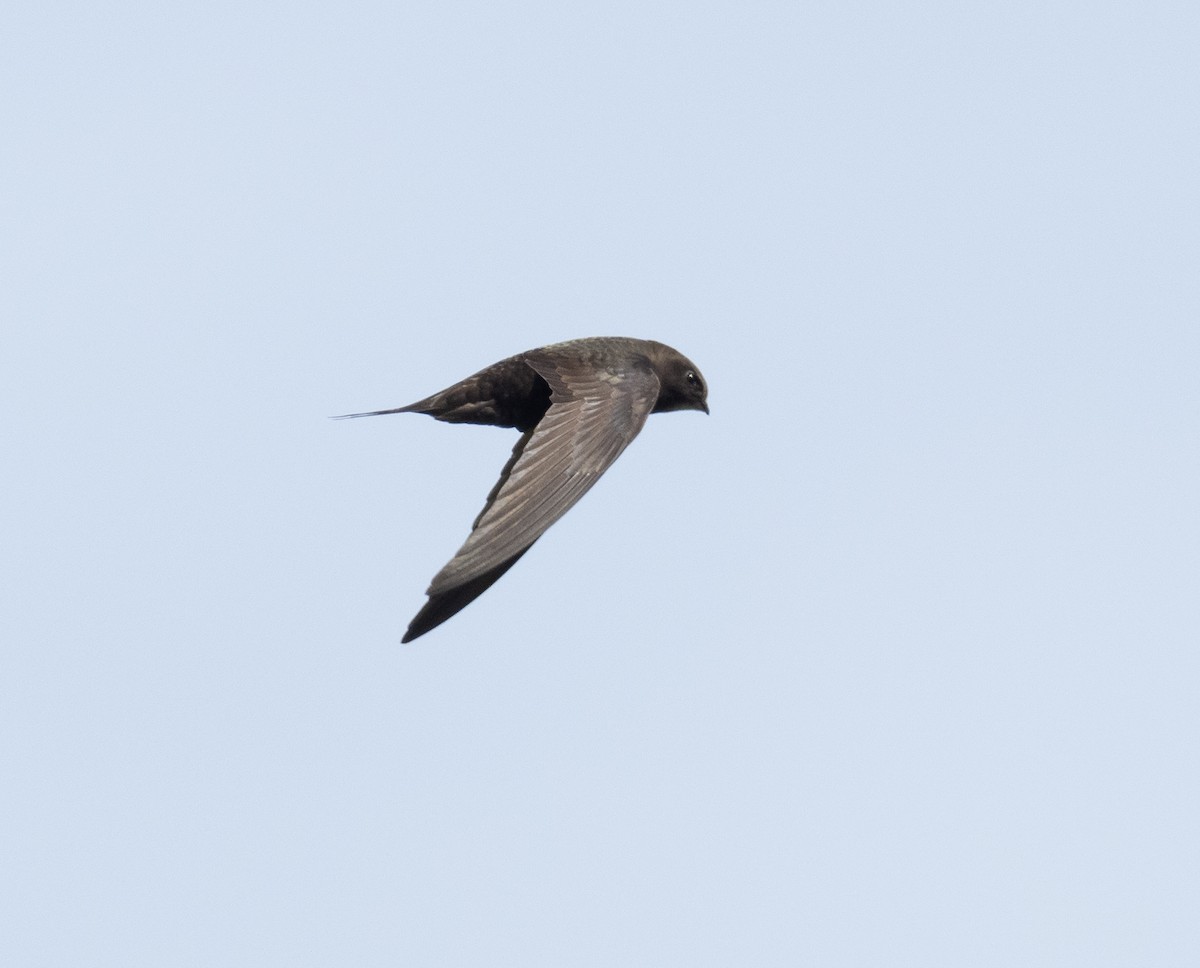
{"x": 892, "y": 660}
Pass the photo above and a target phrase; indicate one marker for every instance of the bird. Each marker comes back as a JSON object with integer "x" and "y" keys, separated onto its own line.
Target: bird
{"x": 577, "y": 404}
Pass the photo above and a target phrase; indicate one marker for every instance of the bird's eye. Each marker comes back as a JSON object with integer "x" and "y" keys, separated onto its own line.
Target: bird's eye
{"x": 691, "y": 378}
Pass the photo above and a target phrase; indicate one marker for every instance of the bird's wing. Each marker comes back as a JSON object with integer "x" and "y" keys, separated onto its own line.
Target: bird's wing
{"x": 593, "y": 415}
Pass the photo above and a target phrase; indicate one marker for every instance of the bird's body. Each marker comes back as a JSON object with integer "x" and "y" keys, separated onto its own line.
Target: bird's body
{"x": 577, "y": 404}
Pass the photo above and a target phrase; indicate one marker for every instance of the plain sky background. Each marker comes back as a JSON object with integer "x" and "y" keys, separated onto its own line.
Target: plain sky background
{"x": 892, "y": 660}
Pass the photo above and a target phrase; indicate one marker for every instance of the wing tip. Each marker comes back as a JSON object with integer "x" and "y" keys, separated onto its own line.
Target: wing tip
{"x": 446, "y": 604}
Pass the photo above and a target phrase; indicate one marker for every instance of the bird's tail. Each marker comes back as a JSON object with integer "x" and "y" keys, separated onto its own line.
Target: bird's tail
{"x": 374, "y": 413}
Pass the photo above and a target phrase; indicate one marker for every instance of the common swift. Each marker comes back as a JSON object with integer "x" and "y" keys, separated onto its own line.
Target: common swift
{"x": 578, "y": 405}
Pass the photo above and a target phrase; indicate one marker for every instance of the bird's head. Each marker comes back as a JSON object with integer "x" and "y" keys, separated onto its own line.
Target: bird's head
{"x": 681, "y": 387}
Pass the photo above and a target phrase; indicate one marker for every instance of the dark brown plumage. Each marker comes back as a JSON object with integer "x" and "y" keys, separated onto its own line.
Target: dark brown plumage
{"x": 578, "y": 405}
